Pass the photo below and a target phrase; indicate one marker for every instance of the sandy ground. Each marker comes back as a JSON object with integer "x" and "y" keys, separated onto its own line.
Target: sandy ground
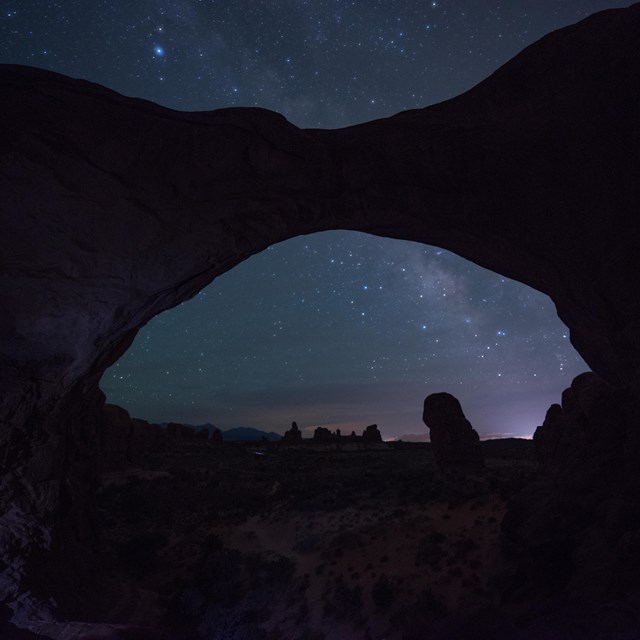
{"x": 373, "y": 544}
{"x": 448, "y": 552}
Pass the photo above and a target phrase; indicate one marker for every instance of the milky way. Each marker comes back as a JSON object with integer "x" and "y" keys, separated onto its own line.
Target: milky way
{"x": 340, "y": 328}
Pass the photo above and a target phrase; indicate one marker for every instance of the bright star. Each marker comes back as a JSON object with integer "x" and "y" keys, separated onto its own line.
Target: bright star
{"x": 159, "y": 51}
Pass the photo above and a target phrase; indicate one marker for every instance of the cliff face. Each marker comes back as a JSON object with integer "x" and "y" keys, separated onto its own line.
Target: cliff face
{"x": 115, "y": 209}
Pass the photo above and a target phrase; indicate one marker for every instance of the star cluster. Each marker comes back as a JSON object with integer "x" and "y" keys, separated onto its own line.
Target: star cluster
{"x": 339, "y": 328}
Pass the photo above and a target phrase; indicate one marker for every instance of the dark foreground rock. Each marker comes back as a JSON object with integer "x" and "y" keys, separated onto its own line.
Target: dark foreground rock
{"x": 123, "y": 440}
{"x": 574, "y": 534}
{"x": 585, "y": 432}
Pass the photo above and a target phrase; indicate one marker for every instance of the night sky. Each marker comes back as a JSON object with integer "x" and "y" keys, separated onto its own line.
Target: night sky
{"x": 338, "y": 329}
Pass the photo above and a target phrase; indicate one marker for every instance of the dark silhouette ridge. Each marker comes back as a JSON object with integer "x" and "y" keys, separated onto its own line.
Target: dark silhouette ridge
{"x": 114, "y": 209}
{"x": 370, "y": 434}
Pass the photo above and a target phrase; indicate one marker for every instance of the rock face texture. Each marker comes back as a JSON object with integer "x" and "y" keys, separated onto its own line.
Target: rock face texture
{"x": 114, "y": 209}
{"x": 455, "y": 442}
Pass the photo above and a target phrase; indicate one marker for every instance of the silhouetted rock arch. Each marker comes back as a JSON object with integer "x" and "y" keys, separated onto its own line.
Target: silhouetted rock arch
{"x": 115, "y": 209}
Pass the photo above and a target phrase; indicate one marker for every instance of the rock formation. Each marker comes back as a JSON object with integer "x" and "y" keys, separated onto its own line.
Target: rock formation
{"x": 455, "y": 443}
{"x": 114, "y": 209}
{"x": 115, "y": 436}
{"x": 546, "y": 438}
{"x": 177, "y": 431}
{"x": 585, "y": 432}
{"x": 371, "y": 434}
{"x": 576, "y": 530}
{"x": 123, "y": 440}
{"x": 292, "y": 435}
{"x": 322, "y": 434}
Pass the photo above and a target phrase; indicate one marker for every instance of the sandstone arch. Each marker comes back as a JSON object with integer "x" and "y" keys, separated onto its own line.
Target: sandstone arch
{"x": 114, "y": 209}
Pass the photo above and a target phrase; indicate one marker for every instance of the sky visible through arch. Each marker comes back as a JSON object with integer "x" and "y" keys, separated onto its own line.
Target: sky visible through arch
{"x": 343, "y": 329}
{"x": 337, "y": 328}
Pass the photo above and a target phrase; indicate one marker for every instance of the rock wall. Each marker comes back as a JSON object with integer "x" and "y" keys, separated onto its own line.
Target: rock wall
{"x": 114, "y": 209}
{"x": 123, "y": 440}
{"x": 588, "y": 431}
{"x": 576, "y": 530}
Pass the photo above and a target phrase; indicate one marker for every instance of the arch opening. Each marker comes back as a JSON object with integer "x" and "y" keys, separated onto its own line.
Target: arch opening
{"x": 342, "y": 329}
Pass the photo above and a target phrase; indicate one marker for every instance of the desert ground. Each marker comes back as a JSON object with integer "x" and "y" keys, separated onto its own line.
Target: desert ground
{"x": 246, "y": 541}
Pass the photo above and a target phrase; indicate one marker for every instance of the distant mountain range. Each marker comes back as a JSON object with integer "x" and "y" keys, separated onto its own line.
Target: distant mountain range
{"x": 238, "y": 434}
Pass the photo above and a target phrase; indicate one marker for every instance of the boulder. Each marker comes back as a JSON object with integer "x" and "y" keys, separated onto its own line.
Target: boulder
{"x": 292, "y": 435}
{"x": 455, "y": 442}
{"x": 322, "y": 434}
{"x": 586, "y": 432}
{"x": 371, "y": 434}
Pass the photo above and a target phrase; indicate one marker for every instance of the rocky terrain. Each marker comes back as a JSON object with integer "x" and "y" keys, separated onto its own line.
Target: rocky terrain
{"x": 303, "y": 541}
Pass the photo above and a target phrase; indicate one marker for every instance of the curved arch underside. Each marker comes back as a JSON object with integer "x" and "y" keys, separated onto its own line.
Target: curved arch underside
{"x": 115, "y": 209}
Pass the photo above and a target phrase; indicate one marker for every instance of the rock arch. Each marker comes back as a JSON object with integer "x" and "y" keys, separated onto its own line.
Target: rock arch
{"x": 114, "y": 209}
